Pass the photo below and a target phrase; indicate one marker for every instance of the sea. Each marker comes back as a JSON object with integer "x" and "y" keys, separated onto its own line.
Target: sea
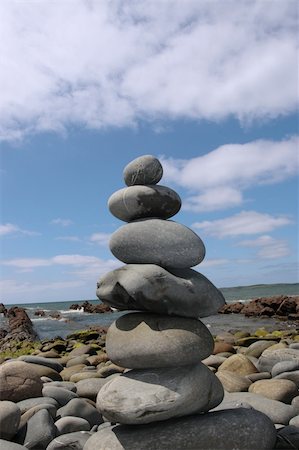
{"x": 75, "y": 320}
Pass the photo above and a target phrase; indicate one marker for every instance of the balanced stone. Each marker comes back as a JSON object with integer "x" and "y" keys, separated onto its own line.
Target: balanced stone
{"x": 148, "y": 287}
{"x": 138, "y": 202}
{"x": 241, "y": 429}
{"x": 157, "y": 241}
{"x": 143, "y": 170}
{"x": 149, "y": 395}
{"x": 143, "y": 340}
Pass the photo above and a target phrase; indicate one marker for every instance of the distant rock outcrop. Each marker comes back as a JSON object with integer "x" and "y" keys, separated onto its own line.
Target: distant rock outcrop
{"x": 20, "y": 328}
{"x": 279, "y": 306}
{"x": 89, "y": 308}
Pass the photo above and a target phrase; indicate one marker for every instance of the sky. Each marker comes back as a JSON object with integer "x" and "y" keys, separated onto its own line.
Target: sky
{"x": 208, "y": 87}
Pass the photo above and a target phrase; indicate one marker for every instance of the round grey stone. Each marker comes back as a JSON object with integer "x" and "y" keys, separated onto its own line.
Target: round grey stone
{"x": 63, "y": 384}
{"x": 146, "y": 169}
{"x": 284, "y": 366}
{"x": 156, "y": 241}
{"x": 292, "y": 376}
{"x": 147, "y": 395}
{"x": 271, "y": 357}
{"x": 18, "y": 381}
{"x": 148, "y": 287}
{"x": 28, "y": 414}
{"x": 70, "y": 441}
{"x": 90, "y": 387}
{"x": 241, "y": 429}
{"x": 79, "y": 407}
{"x": 6, "y": 445}
{"x": 53, "y": 364}
{"x": 139, "y": 202}
{"x": 25, "y": 405}
{"x": 10, "y": 416}
{"x": 257, "y": 348}
{"x": 143, "y": 340}
{"x": 40, "y": 430}
{"x": 70, "y": 424}
{"x": 77, "y": 360}
{"x": 61, "y": 395}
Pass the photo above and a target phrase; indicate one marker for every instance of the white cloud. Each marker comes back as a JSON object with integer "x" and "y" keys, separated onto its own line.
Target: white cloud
{"x": 11, "y": 229}
{"x": 219, "y": 177}
{"x": 62, "y": 222}
{"x": 27, "y": 263}
{"x": 100, "y": 238}
{"x": 243, "y": 223}
{"x": 269, "y": 248}
{"x": 10, "y": 287}
{"x": 144, "y": 60}
{"x": 68, "y": 238}
{"x": 212, "y": 263}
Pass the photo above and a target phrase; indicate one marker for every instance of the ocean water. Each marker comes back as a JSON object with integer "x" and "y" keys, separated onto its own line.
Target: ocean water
{"x": 74, "y": 320}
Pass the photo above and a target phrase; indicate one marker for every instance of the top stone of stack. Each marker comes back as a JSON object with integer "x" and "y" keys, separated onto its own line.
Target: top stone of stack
{"x": 143, "y": 170}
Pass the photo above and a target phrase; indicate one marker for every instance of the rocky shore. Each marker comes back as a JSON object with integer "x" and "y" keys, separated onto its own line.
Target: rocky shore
{"x": 49, "y": 398}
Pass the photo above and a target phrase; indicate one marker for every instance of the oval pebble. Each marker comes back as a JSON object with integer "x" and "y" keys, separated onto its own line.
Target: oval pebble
{"x": 146, "y": 169}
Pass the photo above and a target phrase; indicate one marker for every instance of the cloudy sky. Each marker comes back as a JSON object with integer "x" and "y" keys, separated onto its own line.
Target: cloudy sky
{"x": 209, "y": 87}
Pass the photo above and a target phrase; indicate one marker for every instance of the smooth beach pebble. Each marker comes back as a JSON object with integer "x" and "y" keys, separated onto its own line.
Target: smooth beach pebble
{"x": 53, "y": 364}
{"x": 6, "y": 445}
{"x": 70, "y": 441}
{"x": 61, "y": 395}
{"x": 233, "y": 382}
{"x": 148, "y": 287}
{"x": 70, "y": 424}
{"x": 281, "y": 390}
{"x": 138, "y": 202}
{"x": 270, "y": 357}
{"x": 239, "y": 364}
{"x": 284, "y": 366}
{"x": 25, "y": 405}
{"x": 147, "y": 395}
{"x": 39, "y": 430}
{"x": 156, "y": 241}
{"x": 10, "y": 416}
{"x": 146, "y": 169}
{"x": 79, "y": 407}
{"x": 240, "y": 429}
{"x": 18, "y": 381}
{"x": 142, "y": 340}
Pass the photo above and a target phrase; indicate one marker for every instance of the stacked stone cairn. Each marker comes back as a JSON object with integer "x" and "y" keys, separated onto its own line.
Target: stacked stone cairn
{"x": 161, "y": 401}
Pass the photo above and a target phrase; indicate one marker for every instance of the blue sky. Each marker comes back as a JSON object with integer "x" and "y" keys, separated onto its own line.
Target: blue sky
{"x": 208, "y": 87}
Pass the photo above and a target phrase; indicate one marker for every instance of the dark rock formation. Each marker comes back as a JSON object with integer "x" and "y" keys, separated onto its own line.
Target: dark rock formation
{"x": 40, "y": 313}
{"x": 20, "y": 328}
{"x": 3, "y": 310}
{"x": 89, "y": 308}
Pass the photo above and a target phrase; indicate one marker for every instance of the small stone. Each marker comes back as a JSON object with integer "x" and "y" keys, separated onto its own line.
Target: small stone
{"x": 69, "y": 371}
{"x": 233, "y": 382}
{"x": 156, "y": 241}
{"x": 143, "y": 170}
{"x": 239, "y": 364}
{"x": 6, "y": 445}
{"x": 140, "y": 202}
{"x": 90, "y": 388}
{"x": 10, "y": 416}
{"x": 45, "y": 371}
{"x": 288, "y": 438}
{"x": 223, "y": 347}
{"x": 143, "y": 340}
{"x": 284, "y": 366}
{"x": 109, "y": 370}
{"x": 28, "y": 414}
{"x": 292, "y": 376}
{"x": 84, "y": 349}
{"x": 240, "y": 429}
{"x": 18, "y": 381}
{"x": 70, "y": 424}
{"x": 53, "y": 364}
{"x": 294, "y": 421}
{"x": 78, "y": 360}
{"x": 61, "y": 395}
{"x": 63, "y": 384}
{"x": 90, "y": 374}
{"x": 79, "y": 407}
{"x": 25, "y": 405}
{"x": 148, "y": 287}
{"x": 214, "y": 361}
{"x": 281, "y": 390}
{"x": 271, "y": 357}
{"x": 258, "y": 376}
{"x": 40, "y": 430}
{"x": 70, "y": 441}
{"x": 256, "y": 348}
{"x": 147, "y": 395}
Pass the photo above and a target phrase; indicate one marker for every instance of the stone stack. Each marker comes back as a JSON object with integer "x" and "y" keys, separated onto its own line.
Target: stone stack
{"x": 164, "y": 342}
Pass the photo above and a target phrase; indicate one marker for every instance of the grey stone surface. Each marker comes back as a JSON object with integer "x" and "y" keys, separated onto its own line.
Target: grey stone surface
{"x": 142, "y": 340}
{"x": 10, "y": 416}
{"x": 64, "y": 384}
{"x": 70, "y": 424}
{"x": 145, "y": 169}
{"x": 256, "y": 348}
{"x": 281, "y": 390}
{"x": 284, "y": 366}
{"x": 78, "y": 360}
{"x": 70, "y": 441}
{"x": 271, "y": 357}
{"x": 293, "y": 376}
{"x": 258, "y": 376}
{"x": 25, "y": 405}
{"x": 40, "y": 430}
{"x": 53, "y": 364}
{"x": 277, "y": 411}
{"x": 61, "y": 395}
{"x": 295, "y": 421}
{"x": 240, "y": 429}
{"x": 6, "y": 445}
{"x": 288, "y": 438}
{"x": 79, "y": 407}
{"x": 147, "y": 395}
{"x": 90, "y": 387}
{"x": 156, "y": 241}
{"x": 139, "y": 202}
{"x": 182, "y": 292}
{"x": 42, "y": 370}
{"x": 30, "y": 412}
{"x": 19, "y": 381}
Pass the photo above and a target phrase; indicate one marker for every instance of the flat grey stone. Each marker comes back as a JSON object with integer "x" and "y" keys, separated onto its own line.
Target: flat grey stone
{"x": 148, "y": 287}
{"x": 61, "y": 395}
{"x": 277, "y": 411}
{"x": 79, "y": 407}
{"x": 78, "y": 360}
{"x": 40, "y": 430}
{"x": 292, "y": 376}
{"x": 53, "y": 364}
{"x": 63, "y": 384}
{"x": 24, "y": 405}
{"x": 148, "y": 395}
{"x": 143, "y": 340}
{"x": 145, "y": 169}
{"x": 70, "y": 441}
{"x": 6, "y": 445}
{"x": 18, "y": 381}
{"x": 271, "y": 357}
{"x": 284, "y": 366}
{"x": 30, "y": 412}
{"x": 241, "y": 429}
{"x": 90, "y": 387}
{"x": 70, "y": 424}
{"x": 156, "y": 241}
{"x": 139, "y": 202}
{"x": 256, "y": 348}
{"x": 10, "y": 416}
